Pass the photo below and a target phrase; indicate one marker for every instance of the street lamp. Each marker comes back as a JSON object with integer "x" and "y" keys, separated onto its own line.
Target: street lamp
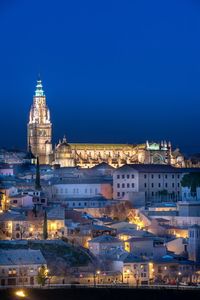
{"x": 98, "y": 273}
{"x": 178, "y": 278}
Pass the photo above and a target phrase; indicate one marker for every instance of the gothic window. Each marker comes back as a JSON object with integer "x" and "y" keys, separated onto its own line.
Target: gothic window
{"x": 127, "y": 176}
{"x": 133, "y": 185}
{"x": 133, "y": 176}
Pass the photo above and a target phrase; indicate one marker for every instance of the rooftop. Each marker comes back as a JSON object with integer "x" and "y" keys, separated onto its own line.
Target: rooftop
{"x": 105, "y": 239}
{"x": 156, "y": 168}
{"x": 21, "y": 257}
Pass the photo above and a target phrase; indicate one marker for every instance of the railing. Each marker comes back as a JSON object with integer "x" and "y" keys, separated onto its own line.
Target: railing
{"x": 103, "y": 286}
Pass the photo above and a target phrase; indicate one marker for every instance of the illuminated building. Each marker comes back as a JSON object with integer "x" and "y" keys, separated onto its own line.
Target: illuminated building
{"x": 88, "y": 155}
{"x": 147, "y": 181}
{"x": 40, "y": 127}
{"x": 19, "y": 267}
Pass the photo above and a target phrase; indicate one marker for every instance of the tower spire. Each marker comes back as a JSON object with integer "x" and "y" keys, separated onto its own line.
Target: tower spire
{"x": 39, "y": 88}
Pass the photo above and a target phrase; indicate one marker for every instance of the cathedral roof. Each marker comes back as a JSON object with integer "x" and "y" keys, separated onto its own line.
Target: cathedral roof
{"x": 63, "y": 146}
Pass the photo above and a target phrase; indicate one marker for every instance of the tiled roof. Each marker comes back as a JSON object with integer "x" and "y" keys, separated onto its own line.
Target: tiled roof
{"x": 132, "y": 258}
{"x": 105, "y": 239}
{"x": 157, "y": 168}
{"x": 21, "y": 257}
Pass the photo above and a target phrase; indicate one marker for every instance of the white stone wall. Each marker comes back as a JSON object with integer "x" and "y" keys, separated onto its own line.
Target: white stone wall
{"x": 62, "y": 191}
{"x": 150, "y": 183}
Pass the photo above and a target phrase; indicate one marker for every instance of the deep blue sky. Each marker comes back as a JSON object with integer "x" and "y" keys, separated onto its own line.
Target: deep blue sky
{"x": 113, "y": 71}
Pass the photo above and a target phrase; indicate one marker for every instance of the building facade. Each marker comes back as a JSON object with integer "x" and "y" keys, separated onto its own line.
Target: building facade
{"x": 40, "y": 126}
{"x": 39, "y": 140}
{"x": 154, "y": 181}
{"x": 20, "y": 267}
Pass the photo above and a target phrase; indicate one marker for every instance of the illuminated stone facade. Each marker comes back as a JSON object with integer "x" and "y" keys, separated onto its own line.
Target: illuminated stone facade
{"x": 40, "y": 127}
{"x": 88, "y": 155}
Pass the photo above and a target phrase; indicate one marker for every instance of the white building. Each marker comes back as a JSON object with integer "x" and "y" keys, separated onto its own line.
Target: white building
{"x": 80, "y": 188}
{"x": 194, "y": 243}
{"x": 135, "y": 270}
{"x": 148, "y": 247}
{"x": 154, "y": 181}
{"x": 20, "y": 267}
{"x": 102, "y": 245}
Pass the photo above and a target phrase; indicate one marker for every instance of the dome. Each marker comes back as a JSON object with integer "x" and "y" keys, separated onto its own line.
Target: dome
{"x": 63, "y": 147}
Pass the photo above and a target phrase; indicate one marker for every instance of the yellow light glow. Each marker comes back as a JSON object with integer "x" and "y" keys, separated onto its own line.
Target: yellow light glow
{"x": 98, "y": 272}
{"x": 53, "y": 226}
{"x": 20, "y": 294}
{"x": 138, "y": 222}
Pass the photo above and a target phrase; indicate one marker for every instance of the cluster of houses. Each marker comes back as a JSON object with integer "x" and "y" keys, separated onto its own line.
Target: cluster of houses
{"x": 137, "y": 224}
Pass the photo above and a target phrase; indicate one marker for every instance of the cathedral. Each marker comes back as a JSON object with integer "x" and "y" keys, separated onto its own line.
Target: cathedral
{"x": 39, "y": 139}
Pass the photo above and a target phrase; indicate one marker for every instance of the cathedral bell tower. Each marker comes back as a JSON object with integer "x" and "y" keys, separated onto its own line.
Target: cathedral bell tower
{"x": 40, "y": 127}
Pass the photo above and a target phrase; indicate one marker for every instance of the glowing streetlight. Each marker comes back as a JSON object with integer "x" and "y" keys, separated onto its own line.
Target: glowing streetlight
{"x": 20, "y": 294}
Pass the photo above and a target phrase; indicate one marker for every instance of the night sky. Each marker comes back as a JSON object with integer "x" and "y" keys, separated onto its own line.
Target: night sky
{"x": 113, "y": 71}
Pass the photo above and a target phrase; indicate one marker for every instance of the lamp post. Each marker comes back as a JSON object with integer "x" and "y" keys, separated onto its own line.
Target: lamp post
{"x": 96, "y": 273}
{"x": 178, "y": 279}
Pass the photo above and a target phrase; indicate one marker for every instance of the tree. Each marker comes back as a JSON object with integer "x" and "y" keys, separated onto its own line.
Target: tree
{"x": 35, "y": 210}
{"x": 42, "y": 275}
{"x": 37, "y": 177}
{"x": 45, "y": 230}
{"x": 22, "y": 229}
{"x": 192, "y": 181}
